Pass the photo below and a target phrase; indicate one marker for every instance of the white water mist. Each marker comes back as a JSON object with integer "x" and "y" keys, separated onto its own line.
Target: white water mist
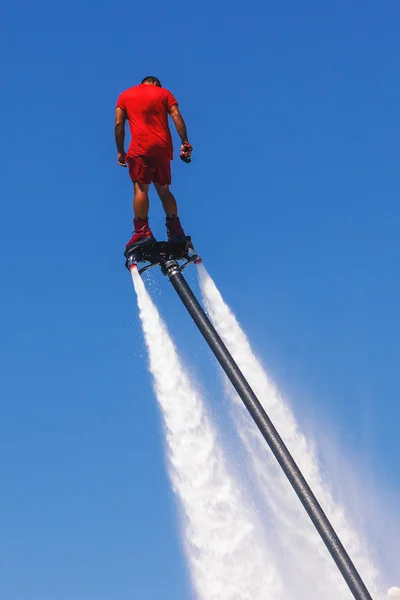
{"x": 228, "y": 556}
{"x": 303, "y": 557}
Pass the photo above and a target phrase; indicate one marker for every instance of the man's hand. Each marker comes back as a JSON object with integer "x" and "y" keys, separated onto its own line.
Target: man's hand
{"x": 122, "y": 159}
{"x": 186, "y": 152}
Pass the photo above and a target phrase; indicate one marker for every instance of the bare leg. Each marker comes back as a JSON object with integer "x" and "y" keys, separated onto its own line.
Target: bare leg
{"x": 174, "y": 227}
{"x": 167, "y": 199}
{"x": 141, "y": 200}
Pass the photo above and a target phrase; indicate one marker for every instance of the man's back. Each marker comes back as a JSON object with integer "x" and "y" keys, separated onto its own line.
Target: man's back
{"x": 147, "y": 108}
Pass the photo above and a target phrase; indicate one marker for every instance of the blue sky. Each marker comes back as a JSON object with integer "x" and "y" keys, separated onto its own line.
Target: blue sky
{"x": 292, "y": 199}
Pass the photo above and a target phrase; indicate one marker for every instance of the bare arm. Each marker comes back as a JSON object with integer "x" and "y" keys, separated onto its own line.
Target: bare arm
{"x": 179, "y": 123}
{"x": 120, "y": 118}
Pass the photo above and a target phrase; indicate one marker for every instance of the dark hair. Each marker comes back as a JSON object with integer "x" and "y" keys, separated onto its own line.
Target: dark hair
{"x": 151, "y": 79}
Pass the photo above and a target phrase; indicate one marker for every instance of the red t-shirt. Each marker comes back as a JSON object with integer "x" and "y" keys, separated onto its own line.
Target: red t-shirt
{"x": 146, "y": 107}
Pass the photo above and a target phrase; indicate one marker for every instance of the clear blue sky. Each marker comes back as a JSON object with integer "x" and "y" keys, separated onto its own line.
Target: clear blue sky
{"x": 293, "y": 201}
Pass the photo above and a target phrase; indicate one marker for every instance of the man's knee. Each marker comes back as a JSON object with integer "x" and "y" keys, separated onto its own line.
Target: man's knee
{"x": 141, "y": 188}
{"x": 162, "y": 190}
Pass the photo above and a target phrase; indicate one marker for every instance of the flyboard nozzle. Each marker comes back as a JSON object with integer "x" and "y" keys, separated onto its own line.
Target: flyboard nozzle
{"x": 130, "y": 263}
{"x": 198, "y": 261}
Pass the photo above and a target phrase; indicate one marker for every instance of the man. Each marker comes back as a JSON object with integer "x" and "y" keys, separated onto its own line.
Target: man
{"x": 147, "y": 106}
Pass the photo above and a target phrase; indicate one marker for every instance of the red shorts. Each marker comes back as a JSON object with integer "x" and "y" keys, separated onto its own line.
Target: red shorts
{"x": 150, "y": 169}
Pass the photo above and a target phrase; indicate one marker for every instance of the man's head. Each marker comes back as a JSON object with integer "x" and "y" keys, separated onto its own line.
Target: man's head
{"x": 152, "y": 81}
